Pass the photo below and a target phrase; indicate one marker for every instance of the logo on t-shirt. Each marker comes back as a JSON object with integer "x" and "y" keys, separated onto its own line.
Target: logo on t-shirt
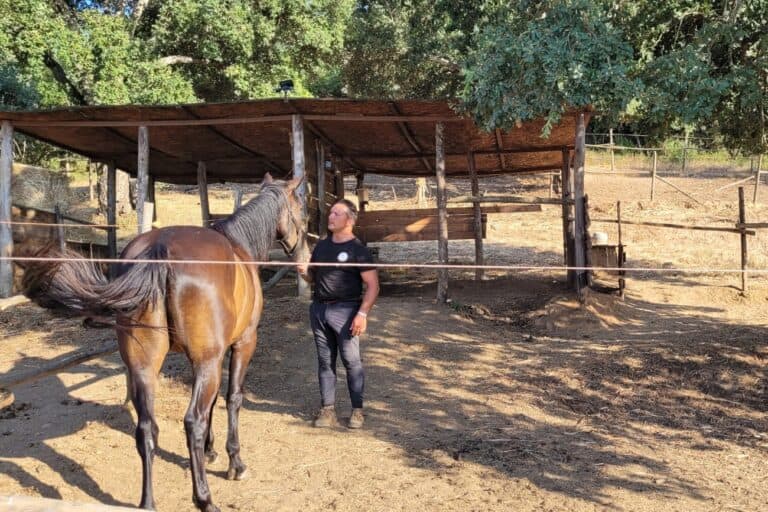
{"x": 342, "y": 257}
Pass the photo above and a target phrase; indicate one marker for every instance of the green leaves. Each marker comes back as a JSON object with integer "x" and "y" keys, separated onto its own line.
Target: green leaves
{"x": 540, "y": 62}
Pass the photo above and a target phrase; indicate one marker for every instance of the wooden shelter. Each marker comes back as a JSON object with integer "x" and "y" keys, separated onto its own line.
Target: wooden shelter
{"x": 322, "y": 139}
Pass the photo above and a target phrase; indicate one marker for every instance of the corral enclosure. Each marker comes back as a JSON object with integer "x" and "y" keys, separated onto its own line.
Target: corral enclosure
{"x": 512, "y": 397}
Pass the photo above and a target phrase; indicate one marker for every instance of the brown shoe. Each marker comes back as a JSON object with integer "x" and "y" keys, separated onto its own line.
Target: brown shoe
{"x": 357, "y": 419}
{"x": 326, "y": 417}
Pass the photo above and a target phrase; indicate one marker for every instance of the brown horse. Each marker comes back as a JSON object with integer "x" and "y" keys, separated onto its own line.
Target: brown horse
{"x": 202, "y": 309}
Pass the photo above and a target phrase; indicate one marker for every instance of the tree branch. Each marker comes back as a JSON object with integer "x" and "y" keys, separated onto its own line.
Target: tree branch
{"x": 61, "y": 76}
{"x": 180, "y": 59}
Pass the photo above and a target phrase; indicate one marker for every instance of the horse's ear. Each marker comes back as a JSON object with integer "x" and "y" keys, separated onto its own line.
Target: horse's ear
{"x": 267, "y": 179}
{"x": 294, "y": 183}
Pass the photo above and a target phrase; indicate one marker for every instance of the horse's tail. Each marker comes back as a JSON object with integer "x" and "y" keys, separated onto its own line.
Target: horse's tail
{"x": 78, "y": 286}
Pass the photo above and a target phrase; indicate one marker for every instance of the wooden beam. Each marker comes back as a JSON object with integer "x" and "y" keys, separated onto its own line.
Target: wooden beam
{"x": 6, "y": 232}
{"x": 740, "y": 228}
{"x": 743, "y": 240}
{"x": 504, "y": 199}
{"x": 202, "y": 189}
{"x": 30, "y": 374}
{"x": 385, "y": 216}
{"x": 151, "y": 189}
{"x": 442, "y": 243}
{"x": 422, "y": 154}
{"x": 408, "y": 136}
{"x": 342, "y": 118}
{"x": 322, "y": 214}
{"x": 580, "y": 234}
{"x": 297, "y": 155}
{"x": 232, "y": 142}
{"x": 112, "y": 215}
{"x": 478, "y": 218}
{"x": 653, "y": 175}
{"x": 752, "y": 225}
{"x": 758, "y": 171}
{"x": 566, "y": 188}
{"x": 141, "y": 183}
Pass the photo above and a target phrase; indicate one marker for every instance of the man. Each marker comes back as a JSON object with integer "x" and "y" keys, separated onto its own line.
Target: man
{"x": 338, "y": 314}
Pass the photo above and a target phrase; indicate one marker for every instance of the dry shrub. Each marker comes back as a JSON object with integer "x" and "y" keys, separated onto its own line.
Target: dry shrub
{"x": 39, "y": 188}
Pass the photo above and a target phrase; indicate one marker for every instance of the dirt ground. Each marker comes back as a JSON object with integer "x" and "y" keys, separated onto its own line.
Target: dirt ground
{"x": 513, "y": 397}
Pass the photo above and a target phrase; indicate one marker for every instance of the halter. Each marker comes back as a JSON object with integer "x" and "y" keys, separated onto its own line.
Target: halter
{"x": 299, "y": 231}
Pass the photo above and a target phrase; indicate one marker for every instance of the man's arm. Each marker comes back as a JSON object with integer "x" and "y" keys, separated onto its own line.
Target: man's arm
{"x": 307, "y": 273}
{"x": 360, "y": 322}
{"x": 371, "y": 280}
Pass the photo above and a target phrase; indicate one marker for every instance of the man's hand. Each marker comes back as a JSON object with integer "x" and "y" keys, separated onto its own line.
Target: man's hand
{"x": 359, "y": 324}
{"x": 303, "y": 270}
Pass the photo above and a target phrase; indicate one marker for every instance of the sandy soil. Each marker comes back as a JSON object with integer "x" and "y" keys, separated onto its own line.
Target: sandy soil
{"x": 513, "y": 397}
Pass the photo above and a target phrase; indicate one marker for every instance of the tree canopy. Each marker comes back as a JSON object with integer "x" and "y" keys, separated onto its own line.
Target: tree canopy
{"x": 662, "y": 67}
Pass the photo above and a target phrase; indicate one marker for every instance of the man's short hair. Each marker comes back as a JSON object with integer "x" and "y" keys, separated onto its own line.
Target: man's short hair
{"x": 351, "y": 208}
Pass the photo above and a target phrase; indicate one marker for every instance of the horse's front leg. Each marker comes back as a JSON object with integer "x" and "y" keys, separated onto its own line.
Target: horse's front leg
{"x": 196, "y": 424}
{"x": 242, "y": 351}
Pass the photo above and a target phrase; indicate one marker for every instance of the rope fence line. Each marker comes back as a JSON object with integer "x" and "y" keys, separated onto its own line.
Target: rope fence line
{"x": 692, "y": 270}
{"x": 53, "y": 224}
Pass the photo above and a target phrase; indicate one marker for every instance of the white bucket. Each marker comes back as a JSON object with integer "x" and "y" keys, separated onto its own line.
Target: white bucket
{"x": 599, "y": 238}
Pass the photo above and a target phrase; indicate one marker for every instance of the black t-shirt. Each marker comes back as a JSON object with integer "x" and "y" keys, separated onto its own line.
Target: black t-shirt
{"x": 339, "y": 283}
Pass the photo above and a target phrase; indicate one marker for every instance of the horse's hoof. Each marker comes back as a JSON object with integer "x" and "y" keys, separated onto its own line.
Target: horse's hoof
{"x": 211, "y": 508}
{"x": 237, "y": 474}
{"x": 211, "y": 457}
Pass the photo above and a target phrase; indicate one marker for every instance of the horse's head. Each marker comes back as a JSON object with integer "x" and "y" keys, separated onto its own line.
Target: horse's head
{"x": 290, "y": 225}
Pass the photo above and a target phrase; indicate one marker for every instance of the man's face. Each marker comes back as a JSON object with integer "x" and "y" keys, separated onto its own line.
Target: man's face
{"x": 338, "y": 218}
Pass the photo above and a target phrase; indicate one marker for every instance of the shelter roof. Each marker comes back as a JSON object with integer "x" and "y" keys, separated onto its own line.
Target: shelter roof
{"x": 242, "y": 141}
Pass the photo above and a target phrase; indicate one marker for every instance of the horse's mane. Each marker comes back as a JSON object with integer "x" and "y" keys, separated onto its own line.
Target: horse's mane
{"x": 253, "y": 226}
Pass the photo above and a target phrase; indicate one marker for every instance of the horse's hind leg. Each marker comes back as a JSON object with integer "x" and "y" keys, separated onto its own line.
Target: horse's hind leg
{"x": 143, "y": 351}
{"x": 242, "y": 351}
{"x": 196, "y": 425}
{"x": 210, "y": 454}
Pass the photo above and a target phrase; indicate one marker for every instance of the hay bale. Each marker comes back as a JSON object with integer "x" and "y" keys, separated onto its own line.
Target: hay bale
{"x": 39, "y": 188}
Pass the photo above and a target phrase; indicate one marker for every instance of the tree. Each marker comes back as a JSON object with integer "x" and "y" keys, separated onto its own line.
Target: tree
{"x": 665, "y": 66}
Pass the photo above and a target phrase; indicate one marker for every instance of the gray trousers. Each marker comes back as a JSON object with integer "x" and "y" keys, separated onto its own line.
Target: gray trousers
{"x": 330, "y": 326}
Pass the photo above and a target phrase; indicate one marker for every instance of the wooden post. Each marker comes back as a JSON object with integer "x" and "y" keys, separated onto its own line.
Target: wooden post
{"x": 587, "y": 243}
{"x": 339, "y": 176}
{"x": 151, "y": 189}
{"x": 362, "y": 194}
{"x": 60, "y": 237}
{"x": 442, "y": 215}
{"x": 421, "y": 192}
{"x": 566, "y": 191}
{"x": 297, "y": 153}
{"x": 621, "y": 256}
{"x": 757, "y": 177}
{"x": 478, "y": 217}
{"x": 6, "y": 232}
{"x": 143, "y": 177}
{"x": 202, "y": 189}
{"x": 112, "y": 215}
{"x": 685, "y": 153}
{"x": 743, "y": 237}
{"x": 322, "y": 217}
{"x": 90, "y": 180}
{"x": 653, "y": 174}
{"x": 578, "y": 193}
{"x": 237, "y": 195}
{"x": 613, "y": 156}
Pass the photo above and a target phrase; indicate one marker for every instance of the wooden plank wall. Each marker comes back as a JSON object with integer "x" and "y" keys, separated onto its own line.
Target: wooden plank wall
{"x": 415, "y": 225}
